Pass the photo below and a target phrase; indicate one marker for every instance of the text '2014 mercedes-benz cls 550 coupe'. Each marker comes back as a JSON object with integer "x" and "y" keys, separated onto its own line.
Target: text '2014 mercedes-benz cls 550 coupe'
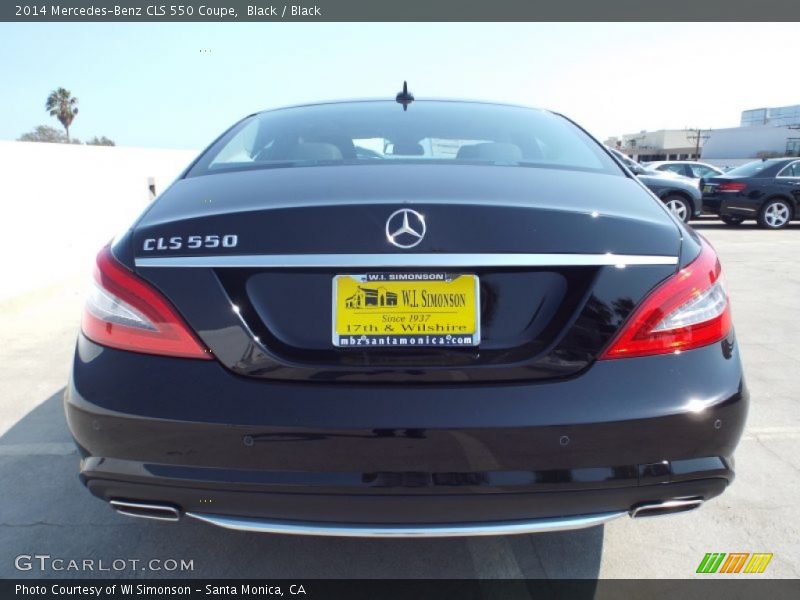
{"x": 406, "y": 318}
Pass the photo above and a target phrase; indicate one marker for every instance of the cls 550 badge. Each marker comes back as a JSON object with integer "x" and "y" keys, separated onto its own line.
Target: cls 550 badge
{"x": 191, "y": 242}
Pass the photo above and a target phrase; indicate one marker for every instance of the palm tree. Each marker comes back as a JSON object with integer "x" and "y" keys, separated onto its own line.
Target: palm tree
{"x": 63, "y": 106}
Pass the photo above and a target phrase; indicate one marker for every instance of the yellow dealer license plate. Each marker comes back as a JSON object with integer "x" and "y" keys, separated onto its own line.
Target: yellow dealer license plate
{"x": 403, "y": 310}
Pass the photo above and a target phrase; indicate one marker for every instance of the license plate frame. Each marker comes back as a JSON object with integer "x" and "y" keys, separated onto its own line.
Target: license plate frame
{"x": 456, "y": 326}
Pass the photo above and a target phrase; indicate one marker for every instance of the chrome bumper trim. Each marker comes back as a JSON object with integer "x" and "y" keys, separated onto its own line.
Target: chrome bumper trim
{"x": 146, "y": 510}
{"x": 426, "y": 260}
{"x": 406, "y": 531}
{"x": 668, "y": 507}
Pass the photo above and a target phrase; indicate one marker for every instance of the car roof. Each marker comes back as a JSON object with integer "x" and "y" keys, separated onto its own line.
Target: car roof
{"x": 391, "y": 100}
{"x": 680, "y": 162}
{"x": 780, "y": 161}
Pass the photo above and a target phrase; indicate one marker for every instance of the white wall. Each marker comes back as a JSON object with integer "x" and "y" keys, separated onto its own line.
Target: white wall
{"x": 745, "y": 142}
{"x": 60, "y": 203}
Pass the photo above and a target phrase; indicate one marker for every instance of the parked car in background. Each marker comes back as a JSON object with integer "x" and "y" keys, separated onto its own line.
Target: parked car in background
{"x": 680, "y": 194}
{"x": 765, "y": 190}
{"x": 688, "y": 168}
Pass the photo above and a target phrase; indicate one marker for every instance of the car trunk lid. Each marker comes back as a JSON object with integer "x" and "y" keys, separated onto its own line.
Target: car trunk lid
{"x": 560, "y": 257}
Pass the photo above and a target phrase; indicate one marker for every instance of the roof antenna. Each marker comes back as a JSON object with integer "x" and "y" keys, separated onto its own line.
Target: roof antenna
{"x": 404, "y": 97}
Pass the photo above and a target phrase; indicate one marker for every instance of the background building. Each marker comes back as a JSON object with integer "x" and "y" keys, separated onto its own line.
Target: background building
{"x": 663, "y": 144}
{"x": 763, "y": 133}
{"x": 736, "y": 145}
{"x": 779, "y": 116}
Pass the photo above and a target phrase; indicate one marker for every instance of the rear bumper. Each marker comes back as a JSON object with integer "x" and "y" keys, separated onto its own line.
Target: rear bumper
{"x": 740, "y": 206}
{"x": 222, "y": 447}
{"x": 711, "y": 204}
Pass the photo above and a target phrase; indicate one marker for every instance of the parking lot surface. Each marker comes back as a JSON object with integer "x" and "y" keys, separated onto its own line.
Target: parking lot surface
{"x": 46, "y": 511}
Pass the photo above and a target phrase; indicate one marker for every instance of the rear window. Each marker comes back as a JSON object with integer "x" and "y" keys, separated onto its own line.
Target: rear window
{"x": 381, "y": 132}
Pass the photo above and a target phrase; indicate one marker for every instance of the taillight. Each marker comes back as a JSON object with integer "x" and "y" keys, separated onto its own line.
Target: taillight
{"x": 688, "y": 310}
{"x": 731, "y": 186}
{"x": 125, "y": 312}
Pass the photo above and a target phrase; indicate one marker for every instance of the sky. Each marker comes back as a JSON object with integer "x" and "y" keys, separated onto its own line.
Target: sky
{"x": 171, "y": 85}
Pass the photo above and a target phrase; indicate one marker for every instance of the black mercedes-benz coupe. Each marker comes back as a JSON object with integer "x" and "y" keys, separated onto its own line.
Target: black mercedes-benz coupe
{"x": 406, "y": 318}
{"x": 765, "y": 190}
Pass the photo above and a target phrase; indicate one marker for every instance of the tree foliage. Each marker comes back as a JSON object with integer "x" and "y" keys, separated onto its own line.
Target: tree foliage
{"x": 45, "y": 133}
{"x": 64, "y": 106}
{"x": 51, "y": 135}
{"x": 100, "y": 141}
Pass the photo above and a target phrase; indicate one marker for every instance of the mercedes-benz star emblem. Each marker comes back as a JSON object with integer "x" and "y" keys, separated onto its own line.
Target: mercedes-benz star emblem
{"x": 405, "y": 228}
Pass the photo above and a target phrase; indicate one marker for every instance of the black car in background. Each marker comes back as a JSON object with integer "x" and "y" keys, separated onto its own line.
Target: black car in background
{"x": 492, "y": 329}
{"x": 765, "y": 190}
{"x": 681, "y": 195}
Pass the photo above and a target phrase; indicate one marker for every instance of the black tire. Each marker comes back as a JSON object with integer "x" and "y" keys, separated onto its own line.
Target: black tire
{"x": 775, "y": 214}
{"x": 679, "y": 206}
{"x": 732, "y": 220}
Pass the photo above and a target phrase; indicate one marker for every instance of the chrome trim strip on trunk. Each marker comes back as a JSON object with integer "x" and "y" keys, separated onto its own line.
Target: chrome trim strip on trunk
{"x": 405, "y": 260}
{"x": 422, "y": 530}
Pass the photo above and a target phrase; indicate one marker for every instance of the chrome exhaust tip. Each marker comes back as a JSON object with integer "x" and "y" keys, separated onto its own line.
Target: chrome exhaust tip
{"x": 666, "y": 507}
{"x": 142, "y": 510}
